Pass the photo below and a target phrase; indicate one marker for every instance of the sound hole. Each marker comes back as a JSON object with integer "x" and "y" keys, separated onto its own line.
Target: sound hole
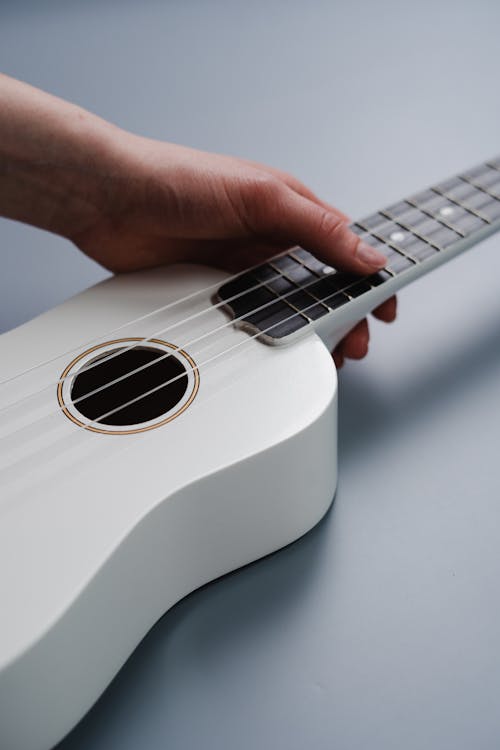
{"x": 155, "y": 375}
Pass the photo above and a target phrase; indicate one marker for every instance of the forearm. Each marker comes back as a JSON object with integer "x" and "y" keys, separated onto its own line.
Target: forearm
{"x": 57, "y": 161}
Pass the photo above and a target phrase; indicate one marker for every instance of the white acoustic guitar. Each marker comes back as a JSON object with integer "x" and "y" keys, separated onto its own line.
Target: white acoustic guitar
{"x": 166, "y": 427}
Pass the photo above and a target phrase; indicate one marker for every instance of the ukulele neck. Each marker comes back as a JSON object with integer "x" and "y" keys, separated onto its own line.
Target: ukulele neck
{"x": 281, "y": 299}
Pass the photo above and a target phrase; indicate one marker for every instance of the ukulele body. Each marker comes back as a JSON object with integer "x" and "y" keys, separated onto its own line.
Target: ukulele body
{"x": 100, "y": 534}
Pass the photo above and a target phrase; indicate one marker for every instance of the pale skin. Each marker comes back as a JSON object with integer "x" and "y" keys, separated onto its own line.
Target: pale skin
{"x": 131, "y": 202}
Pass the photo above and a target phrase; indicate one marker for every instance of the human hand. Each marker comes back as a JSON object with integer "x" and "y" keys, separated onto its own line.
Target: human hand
{"x": 167, "y": 203}
{"x": 131, "y": 202}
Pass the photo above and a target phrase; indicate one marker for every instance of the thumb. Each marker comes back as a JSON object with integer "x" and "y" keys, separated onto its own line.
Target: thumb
{"x": 294, "y": 219}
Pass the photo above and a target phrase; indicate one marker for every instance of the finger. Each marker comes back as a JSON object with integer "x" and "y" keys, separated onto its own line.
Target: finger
{"x": 387, "y": 310}
{"x": 274, "y": 210}
{"x": 355, "y": 344}
{"x": 338, "y": 357}
{"x": 296, "y": 185}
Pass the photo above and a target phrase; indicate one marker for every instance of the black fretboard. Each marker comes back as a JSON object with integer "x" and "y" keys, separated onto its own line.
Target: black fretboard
{"x": 294, "y": 290}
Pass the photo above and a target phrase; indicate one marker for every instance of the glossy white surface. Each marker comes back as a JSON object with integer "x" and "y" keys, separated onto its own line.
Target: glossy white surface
{"x": 381, "y": 628}
{"x": 100, "y": 534}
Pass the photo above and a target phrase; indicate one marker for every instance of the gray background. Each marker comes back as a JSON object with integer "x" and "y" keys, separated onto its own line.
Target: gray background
{"x": 381, "y": 628}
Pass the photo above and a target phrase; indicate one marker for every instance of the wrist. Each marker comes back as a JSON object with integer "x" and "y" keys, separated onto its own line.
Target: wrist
{"x": 58, "y": 162}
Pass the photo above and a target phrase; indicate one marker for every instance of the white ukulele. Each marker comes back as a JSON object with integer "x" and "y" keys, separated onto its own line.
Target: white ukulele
{"x": 166, "y": 427}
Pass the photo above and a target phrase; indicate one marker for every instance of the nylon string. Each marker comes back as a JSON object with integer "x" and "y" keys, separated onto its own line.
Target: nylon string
{"x": 223, "y": 326}
{"x": 162, "y": 331}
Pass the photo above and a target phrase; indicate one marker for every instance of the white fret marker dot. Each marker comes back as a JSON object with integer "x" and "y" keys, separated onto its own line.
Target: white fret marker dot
{"x": 446, "y": 211}
{"x": 328, "y": 269}
{"x": 397, "y": 236}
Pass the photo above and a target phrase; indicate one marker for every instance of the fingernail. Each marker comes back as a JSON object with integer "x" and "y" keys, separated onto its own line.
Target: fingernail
{"x": 369, "y": 255}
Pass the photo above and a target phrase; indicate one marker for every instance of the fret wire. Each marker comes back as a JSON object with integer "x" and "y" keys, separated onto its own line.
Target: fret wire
{"x": 478, "y": 187}
{"x": 447, "y": 224}
{"x": 319, "y": 276}
{"x": 289, "y": 304}
{"x": 303, "y": 313}
{"x": 299, "y": 260}
{"x": 342, "y": 291}
{"x": 411, "y": 230}
{"x": 391, "y": 244}
{"x": 277, "y": 295}
{"x": 378, "y": 237}
{"x": 290, "y": 317}
{"x": 311, "y": 294}
{"x": 323, "y": 301}
{"x": 259, "y": 332}
{"x": 428, "y": 240}
{"x": 457, "y": 202}
{"x": 317, "y": 300}
{"x": 395, "y": 247}
{"x": 301, "y": 289}
{"x": 441, "y": 219}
